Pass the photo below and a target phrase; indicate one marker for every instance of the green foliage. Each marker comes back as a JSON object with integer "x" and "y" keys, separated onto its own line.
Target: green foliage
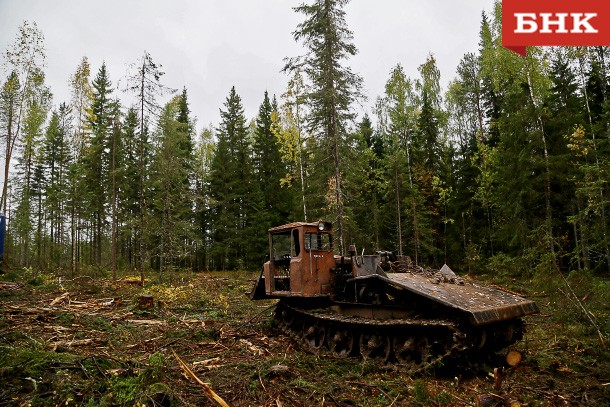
{"x": 332, "y": 90}
{"x": 506, "y": 172}
{"x": 421, "y": 393}
{"x": 236, "y": 196}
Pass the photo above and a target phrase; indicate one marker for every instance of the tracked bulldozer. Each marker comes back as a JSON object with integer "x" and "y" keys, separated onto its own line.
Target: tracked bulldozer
{"x": 380, "y": 306}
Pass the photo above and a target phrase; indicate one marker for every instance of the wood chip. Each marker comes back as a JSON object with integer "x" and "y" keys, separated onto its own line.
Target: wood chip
{"x": 253, "y": 348}
{"x": 207, "y": 362}
{"x": 59, "y": 299}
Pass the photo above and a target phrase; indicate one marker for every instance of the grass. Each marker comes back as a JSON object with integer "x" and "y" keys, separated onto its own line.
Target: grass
{"x": 230, "y": 343}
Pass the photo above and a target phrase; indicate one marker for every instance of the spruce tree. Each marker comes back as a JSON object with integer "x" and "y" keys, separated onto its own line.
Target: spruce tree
{"x": 269, "y": 168}
{"x": 235, "y": 194}
{"x": 56, "y": 159}
{"x": 169, "y": 225}
{"x": 129, "y": 191}
{"x": 332, "y": 89}
{"x": 97, "y": 159}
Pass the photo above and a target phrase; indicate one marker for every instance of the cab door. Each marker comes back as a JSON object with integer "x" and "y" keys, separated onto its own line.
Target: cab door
{"x": 318, "y": 257}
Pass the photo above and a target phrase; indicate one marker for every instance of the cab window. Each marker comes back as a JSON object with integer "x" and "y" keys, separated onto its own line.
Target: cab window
{"x": 318, "y": 241}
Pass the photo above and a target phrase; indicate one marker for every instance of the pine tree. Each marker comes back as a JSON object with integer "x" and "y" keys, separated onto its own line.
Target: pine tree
{"x": 400, "y": 107}
{"x": 115, "y": 174}
{"x": 145, "y": 82}
{"x": 428, "y": 160}
{"x": 521, "y": 174}
{"x": 186, "y": 147}
{"x": 82, "y": 94}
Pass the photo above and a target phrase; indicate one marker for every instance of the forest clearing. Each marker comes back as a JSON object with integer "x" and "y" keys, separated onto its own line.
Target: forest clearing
{"x": 89, "y": 341}
{"x": 120, "y": 200}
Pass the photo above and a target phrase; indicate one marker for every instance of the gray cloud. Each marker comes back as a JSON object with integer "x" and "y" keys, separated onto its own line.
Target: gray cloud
{"x": 210, "y": 45}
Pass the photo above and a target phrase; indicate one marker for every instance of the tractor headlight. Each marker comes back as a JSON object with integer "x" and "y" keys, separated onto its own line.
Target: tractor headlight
{"x": 325, "y": 226}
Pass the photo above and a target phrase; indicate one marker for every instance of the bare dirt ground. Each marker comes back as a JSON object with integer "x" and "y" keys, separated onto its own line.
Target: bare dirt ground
{"x": 88, "y": 341}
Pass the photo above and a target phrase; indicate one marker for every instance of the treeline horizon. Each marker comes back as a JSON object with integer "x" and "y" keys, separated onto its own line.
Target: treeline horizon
{"x": 506, "y": 171}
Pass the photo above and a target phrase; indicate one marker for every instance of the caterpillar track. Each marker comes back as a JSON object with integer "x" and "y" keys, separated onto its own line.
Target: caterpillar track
{"x": 381, "y": 307}
{"x": 411, "y": 345}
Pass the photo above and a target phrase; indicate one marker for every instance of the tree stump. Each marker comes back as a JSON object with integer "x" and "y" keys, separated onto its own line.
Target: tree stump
{"x": 146, "y": 301}
{"x": 490, "y": 400}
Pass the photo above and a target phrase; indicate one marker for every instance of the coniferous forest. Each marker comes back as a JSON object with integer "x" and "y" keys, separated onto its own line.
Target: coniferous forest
{"x": 132, "y": 233}
{"x": 506, "y": 169}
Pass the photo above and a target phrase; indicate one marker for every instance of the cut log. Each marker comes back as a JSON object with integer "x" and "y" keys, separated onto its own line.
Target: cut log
{"x": 513, "y": 358}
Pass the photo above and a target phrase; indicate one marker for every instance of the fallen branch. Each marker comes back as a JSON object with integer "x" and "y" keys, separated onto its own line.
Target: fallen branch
{"x": 374, "y": 386}
{"x": 240, "y": 326}
{"x": 59, "y": 299}
{"x": 587, "y": 313}
{"x": 146, "y": 321}
{"x": 68, "y": 344}
{"x": 205, "y": 386}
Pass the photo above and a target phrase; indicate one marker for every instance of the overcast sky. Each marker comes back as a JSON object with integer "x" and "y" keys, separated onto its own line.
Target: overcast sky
{"x": 210, "y": 45}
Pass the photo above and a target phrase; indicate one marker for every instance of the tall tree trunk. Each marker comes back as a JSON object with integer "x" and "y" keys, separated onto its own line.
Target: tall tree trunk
{"x": 113, "y": 244}
{"x": 11, "y": 139}
{"x": 73, "y": 238}
{"x": 141, "y": 203}
{"x": 597, "y": 165}
{"x": 547, "y": 171}
{"x": 300, "y": 152}
{"x": 398, "y": 211}
{"x": 413, "y": 203}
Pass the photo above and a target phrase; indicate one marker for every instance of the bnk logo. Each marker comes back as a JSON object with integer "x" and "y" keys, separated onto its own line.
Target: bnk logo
{"x": 554, "y": 22}
{"x": 549, "y": 23}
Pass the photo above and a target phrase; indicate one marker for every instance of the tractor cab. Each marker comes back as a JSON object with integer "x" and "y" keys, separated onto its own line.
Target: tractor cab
{"x": 301, "y": 257}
